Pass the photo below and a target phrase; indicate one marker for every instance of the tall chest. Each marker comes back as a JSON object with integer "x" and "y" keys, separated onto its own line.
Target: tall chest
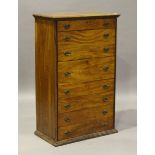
{"x": 75, "y": 65}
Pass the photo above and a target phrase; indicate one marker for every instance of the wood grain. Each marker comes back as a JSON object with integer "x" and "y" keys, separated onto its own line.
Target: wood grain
{"x": 45, "y": 67}
{"x": 86, "y": 24}
{"x": 86, "y": 70}
{"x": 74, "y": 139}
{"x": 85, "y": 114}
{"x": 102, "y": 50}
{"x": 86, "y": 88}
{"x": 73, "y": 66}
{"x": 85, "y": 95}
{"x": 86, "y": 37}
{"x": 84, "y": 128}
{"x": 74, "y": 103}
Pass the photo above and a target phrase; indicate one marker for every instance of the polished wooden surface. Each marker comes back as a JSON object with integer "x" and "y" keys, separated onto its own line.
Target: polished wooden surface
{"x": 75, "y": 76}
{"x": 102, "y": 50}
{"x": 74, "y": 139}
{"x": 93, "y": 113}
{"x": 85, "y": 95}
{"x": 68, "y": 104}
{"x": 86, "y": 70}
{"x": 45, "y": 67}
{"x": 85, "y": 88}
{"x": 87, "y": 37}
{"x": 85, "y": 127}
{"x": 69, "y": 25}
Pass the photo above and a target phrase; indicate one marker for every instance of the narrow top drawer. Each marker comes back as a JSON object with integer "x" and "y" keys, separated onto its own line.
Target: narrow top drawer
{"x": 84, "y": 24}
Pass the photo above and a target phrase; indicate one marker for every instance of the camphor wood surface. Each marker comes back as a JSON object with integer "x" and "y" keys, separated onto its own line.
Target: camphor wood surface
{"x": 85, "y": 95}
{"x": 94, "y": 37}
{"x": 86, "y": 88}
{"x": 86, "y": 127}
{"x": 74, "y": 139}
{"x": 85, "y": 51}
{"x": 84, "y": 101}
{"x": 73, "y": 65}
{"x": 83, "y": 24}
{"x": 46, "y": 89}
{"x": 86, "y": 70}
{"x": 93, "y": 113}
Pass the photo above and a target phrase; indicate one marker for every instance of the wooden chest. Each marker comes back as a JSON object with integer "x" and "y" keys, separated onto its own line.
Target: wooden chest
{"x": 75, "y": 76}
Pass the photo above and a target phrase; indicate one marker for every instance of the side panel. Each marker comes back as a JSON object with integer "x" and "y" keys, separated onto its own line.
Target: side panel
{"x": 114, "y": 110}
{"x": 46, "y": 75}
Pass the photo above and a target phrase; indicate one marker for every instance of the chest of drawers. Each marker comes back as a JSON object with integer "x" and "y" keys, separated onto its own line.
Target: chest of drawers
{"x": 75, "y": 60}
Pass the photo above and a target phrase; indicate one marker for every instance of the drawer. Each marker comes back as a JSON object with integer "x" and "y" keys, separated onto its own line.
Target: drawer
{"x": 87, "y": 88}
{"x": 86, "y": 70}
{"x": 85, "y": 51}
{"x": 87, "y": 127}
{"x": 69, "y": 25}
{"x": 86, "y": 38}
{"x": 70, "y": 118}
{"x": 85, "y": 95}
{"x": 74, "y": 103}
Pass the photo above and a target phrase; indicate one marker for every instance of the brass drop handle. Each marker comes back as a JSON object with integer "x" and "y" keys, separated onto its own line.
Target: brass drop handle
{"x": 66, "y": 26}
{"x": 106, "y": 86}
{"x": 106, "y": 35}
{"x": 67, "y": 38}
{"x": 67, "y": 106}
{"x": 104, "y": 112}
{"x": 104, "y": 125}
{"x": 105, "y": 99}
{"x": 105, "y": 50}
{"x": 67, "y": 74}
{"x": 67, "y": 53}
{"x": 105, "y": 68}
{"x": 67, "y": 133}
{"x": 66, "y": 119}
{"x": 66, "y": 91}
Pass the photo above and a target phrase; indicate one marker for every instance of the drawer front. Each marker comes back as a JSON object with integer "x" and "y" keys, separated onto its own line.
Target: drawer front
{"x": 102, "y": 50}
{"x": 86, "y": 85}
{"x": 70, "y": 118}
{"x": 85, "y": 95}
{"x": 84, "y": 24}
{"x": 86, "y": 70}
{"x": 87, "y": 101}
{"x": 87, "y": 88}
{"x": 85, "y": 128}
{"x": 87, "y": 38}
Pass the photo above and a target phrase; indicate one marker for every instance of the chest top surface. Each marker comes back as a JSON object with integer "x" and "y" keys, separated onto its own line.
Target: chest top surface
{"x": 62, "y": 15}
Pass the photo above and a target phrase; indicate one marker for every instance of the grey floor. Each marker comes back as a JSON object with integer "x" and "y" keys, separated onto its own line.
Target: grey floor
{"x": 122, "y": 143}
